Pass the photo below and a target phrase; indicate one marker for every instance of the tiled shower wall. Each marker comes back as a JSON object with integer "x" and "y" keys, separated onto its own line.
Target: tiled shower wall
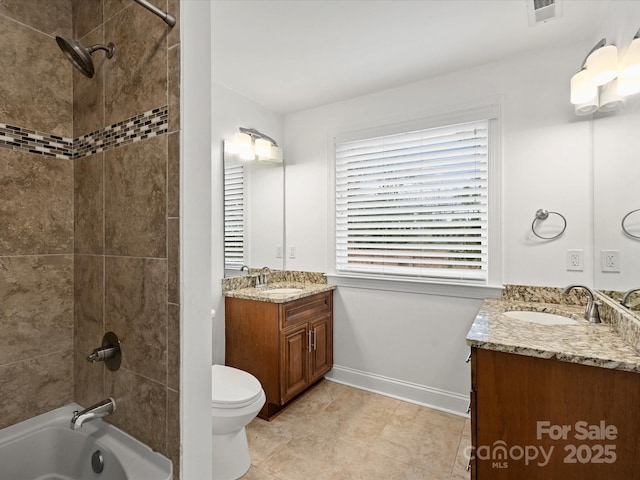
{"x": 91, "y": 244}
{"x": 36, "y": 215}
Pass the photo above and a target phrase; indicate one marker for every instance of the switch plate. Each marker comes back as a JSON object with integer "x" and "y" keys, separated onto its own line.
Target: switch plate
{"x": 610, "y": 261}
{"x": 575, "y": 260}
{"x": 278, "y": 251}
{"x": 292, "y": 252}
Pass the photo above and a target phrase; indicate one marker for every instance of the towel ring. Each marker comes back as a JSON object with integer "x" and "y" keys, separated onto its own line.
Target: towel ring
{"x": 543, "y": 215}
{"x": 624, "y": 229}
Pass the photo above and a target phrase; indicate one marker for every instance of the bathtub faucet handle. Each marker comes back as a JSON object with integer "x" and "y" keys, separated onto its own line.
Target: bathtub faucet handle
{"x": 109, "y": 352}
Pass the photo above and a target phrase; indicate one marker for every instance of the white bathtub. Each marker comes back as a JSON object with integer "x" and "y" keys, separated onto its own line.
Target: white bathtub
{"x": 45, "y": 448}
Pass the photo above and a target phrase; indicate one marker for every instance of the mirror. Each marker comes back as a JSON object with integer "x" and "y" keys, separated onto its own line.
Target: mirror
{"x": 253, "y": 215}
{"x": 616, "y": 144}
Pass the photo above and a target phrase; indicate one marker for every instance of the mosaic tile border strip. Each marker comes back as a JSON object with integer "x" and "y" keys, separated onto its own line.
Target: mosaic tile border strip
{"x": 145, "y": 125}
{"x": 18, "y": 138}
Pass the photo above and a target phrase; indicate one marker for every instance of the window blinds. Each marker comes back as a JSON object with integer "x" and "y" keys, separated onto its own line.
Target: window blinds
{"x": 233, "y": 215}
{"x": 415, "y": 203}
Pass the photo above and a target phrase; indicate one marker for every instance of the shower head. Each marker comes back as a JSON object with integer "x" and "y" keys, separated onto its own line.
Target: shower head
{"x": 80, "y": 56}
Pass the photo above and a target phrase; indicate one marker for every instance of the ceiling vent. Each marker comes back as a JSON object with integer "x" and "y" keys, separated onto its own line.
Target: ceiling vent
{"x": 541, "y": 11}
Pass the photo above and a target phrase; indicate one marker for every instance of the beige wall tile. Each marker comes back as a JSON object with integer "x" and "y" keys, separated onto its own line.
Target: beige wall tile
{"x": 173, "y": 347}
{"x": 89, "y": 327}
{"x": 136, "y": 77}
{"x": 36, "y": 204}
{"x": 136, "y": 310}
{"x": 173, "y": 175}
{"x": 36, "y": 306}
{"x": 174, "y": 89}
{"x": 135, "y": 199}
{"x": 173, "y": 234}
{"x": 34, "y": 386}
{"x": 88, "y": 204}
{"x": 52, "y": 17}
{"x": 88, "y": 93}
{"x": 173, "y": 7}
{"x": 141, "y": 407}
{"x": 32, "y": 62}
{"x": 87, "y": 15}
{"x": 173, "y": 431}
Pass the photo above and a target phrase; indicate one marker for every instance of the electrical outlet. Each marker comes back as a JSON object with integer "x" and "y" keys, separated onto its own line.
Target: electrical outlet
{"x": 575, "y": 260}
{"x": 610, "y": 261}
{"x": 278, "y": 251}
{"x": 292, "y": 252}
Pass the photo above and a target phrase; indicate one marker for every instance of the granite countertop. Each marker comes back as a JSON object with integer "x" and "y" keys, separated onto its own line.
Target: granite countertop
{"x": 259, "y": 293}
{"x": 585, "y": 343}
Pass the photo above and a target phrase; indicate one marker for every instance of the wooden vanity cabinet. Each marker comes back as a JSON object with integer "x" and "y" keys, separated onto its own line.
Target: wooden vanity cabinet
{"x": 287, "y": 346}
{"x": 512, "y": 393}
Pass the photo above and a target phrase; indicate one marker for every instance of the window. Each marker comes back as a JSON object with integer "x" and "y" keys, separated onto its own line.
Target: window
{"x": 233, "y": 215}
{"x": 415, "y": 204}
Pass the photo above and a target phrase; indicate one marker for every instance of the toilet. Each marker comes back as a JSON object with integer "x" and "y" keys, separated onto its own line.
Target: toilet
{"x": 236, "y": 399}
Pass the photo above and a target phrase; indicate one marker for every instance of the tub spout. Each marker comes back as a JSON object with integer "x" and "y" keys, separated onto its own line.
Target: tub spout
{"x": 99, "y": 410}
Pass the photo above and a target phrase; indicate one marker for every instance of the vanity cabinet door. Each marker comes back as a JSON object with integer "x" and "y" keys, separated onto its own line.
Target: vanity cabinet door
{"x": 294, "y": 361}
{"x": 321, "y": 347}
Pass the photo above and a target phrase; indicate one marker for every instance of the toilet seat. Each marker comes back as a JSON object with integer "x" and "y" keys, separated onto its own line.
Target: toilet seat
{"x": 233, "y": 388}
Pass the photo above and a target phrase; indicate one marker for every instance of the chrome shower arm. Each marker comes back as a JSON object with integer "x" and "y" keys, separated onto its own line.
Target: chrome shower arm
{"x": 167, "y": 17}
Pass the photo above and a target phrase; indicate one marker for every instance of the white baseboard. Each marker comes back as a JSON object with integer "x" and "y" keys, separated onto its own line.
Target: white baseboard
{"x": 449, "y": 402}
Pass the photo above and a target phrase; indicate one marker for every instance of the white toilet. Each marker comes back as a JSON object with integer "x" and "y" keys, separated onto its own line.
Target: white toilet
{"x": 236, "y": 399}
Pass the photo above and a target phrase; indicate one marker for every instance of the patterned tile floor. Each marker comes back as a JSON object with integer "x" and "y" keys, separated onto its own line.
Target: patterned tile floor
{"x": 335, "y": 432}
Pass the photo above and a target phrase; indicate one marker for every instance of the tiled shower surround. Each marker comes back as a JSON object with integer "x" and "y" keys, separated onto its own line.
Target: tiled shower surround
{"x": 89, "y": 214}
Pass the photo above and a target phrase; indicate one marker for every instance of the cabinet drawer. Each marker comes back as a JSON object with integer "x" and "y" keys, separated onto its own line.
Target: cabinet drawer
{"x": 305, "y": 309}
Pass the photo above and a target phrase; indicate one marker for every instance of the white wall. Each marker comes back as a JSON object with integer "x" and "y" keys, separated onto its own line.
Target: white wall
{"x": 265, "y": 195}
{"x": 414, "y": 342}
{"x": 195, "y": 240}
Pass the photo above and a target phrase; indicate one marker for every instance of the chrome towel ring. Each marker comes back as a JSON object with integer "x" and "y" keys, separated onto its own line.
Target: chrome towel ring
{"x": 541, "y": 215}
{"x": 624, "y": 229}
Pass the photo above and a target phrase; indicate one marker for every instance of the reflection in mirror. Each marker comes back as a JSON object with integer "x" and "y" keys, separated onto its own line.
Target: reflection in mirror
{"x": 616, "y": 176}
{"x": 253, "y": 215}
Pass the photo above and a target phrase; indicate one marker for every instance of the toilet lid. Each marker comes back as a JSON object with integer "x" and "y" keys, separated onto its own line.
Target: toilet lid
{"x": 233, "y": 388}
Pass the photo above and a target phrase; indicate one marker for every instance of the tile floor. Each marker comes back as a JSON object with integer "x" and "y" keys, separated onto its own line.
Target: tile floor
{"x": 335, "y": 432}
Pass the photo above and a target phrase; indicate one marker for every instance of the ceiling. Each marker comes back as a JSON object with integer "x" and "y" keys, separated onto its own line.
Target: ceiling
{"x": 290, "y": 55}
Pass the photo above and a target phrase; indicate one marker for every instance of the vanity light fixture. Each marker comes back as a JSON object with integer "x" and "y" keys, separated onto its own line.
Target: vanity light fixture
{"x": 249, "y": 143}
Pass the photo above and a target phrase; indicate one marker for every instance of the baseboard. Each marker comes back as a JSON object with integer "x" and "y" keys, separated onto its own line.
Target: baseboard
{"x": 449, "y": 402}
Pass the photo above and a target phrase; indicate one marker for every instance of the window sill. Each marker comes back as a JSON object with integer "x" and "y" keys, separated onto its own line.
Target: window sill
{"x": 443, "y": 289}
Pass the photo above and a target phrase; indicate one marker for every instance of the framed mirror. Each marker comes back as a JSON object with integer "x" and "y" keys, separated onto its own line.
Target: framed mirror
{"x": 616, "y": 147}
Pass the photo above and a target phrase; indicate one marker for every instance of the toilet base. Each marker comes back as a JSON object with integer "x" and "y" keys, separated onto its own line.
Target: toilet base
{"x": 230, "y": 455}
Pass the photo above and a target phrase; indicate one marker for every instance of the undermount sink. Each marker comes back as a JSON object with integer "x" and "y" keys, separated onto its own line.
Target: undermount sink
{"x": 282, "y": 291}
{"x": 542, "y": 318}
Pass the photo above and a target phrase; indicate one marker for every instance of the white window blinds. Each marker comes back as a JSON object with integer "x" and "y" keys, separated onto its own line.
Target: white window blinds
{"x": 233, "y": 215}
{"x": 414, "y": 204}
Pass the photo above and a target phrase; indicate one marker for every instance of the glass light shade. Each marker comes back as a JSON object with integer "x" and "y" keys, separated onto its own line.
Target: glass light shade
{"x": 588, "y": 107}
{"x": 244, "y": 146}
{"x": 603, "y": 64}
{"x": 275, "y": 157}
{"x": 582, "y": 89}
{"x": 230, "y": 147}
{"x": 263, "y": 147}
{"x": 610, "y": 99}
{"x": 630, "y": 64}
{"x": 628, "y": 84}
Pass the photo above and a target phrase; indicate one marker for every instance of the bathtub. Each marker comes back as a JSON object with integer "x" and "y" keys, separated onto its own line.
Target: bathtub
{"x": 45, "y": 448}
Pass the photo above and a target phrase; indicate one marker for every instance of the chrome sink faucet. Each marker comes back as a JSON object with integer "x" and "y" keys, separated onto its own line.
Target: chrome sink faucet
{"x": 99, "y": 410}
{"x": 627, "y": 294}
{"x": 262, "y": 277}
{"x": 592, "y": 314}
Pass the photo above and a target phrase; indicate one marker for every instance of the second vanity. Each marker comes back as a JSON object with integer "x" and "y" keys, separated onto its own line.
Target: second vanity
{"x": 281, "y": 333}
{"x": 552, "y": 401}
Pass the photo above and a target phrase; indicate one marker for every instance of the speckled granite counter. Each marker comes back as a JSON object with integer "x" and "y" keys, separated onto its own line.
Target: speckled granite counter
{"x": 585, "y": 343}
{"x": 260, "y": 293}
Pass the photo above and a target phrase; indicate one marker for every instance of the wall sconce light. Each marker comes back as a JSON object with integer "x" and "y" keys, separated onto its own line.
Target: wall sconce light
{"x": 249, "y": 143}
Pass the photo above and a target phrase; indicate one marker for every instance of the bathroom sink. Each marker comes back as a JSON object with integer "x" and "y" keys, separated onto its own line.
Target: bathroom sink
{"x": 282, "y": 291}
{"x": 542, "y": 318}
